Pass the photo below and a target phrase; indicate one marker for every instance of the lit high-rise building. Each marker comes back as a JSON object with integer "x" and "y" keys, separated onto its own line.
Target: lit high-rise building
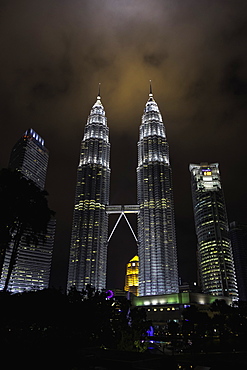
{"x": 238, "y": 235}
{"x": 30, "y": 157}
{"x": 33, "y": 262}
{"x": 132, "y": 276}
{"x": 156, "y": 226}
{"x": 216, "y": 265}
{"x": 88, "y": 249}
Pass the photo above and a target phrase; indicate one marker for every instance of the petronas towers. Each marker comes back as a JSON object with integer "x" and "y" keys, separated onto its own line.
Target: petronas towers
{"x": 155, "y": 209}
{"x": 156, "y": 225}
{"x": 88, "y": 250}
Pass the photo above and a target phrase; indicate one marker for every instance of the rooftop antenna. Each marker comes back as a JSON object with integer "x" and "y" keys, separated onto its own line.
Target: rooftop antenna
{"x": 150, "y": 91}
{"x": 150, "y": 87}
{"x": 99, "y": 90}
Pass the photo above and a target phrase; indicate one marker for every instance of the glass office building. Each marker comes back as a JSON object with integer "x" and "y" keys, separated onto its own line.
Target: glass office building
{"x": 215, "y": 259}
{"x": 33, "y": 262}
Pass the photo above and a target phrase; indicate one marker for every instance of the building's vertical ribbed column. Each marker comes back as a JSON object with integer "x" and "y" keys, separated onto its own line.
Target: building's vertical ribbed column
{"x": 238, "y": 235}
{"x": 88, "y": 250}
{"x": 156, "y": 226}
{"x": 216, "y": 265}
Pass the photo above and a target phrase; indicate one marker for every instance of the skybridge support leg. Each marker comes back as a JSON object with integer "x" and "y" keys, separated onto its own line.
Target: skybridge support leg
{"x": 114, "y": 228}
{"x": 130, "y": 227}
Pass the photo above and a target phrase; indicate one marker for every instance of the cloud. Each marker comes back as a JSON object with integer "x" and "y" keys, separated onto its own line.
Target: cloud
{"x": 54, "y": 53}
{"x": 233, "y": 82}
{"x": 154, "y": 60}
{"x": 53, "y": 82}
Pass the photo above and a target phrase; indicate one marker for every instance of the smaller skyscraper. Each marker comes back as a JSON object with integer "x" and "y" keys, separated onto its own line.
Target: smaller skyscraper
{"x": 132, "y": 276}
{"x": 238, "y": 235}
{"x": 30, "y": 157}
{"x": 33, "y": 262}
{"x": 216, "y": 265}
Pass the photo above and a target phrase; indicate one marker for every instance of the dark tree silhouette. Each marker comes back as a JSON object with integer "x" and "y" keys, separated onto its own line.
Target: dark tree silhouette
{"x": 24, "y": 213}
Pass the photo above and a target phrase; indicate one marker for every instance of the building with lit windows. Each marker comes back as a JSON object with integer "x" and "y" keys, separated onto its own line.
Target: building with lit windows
{"x": 33, "y": 262}
{"x": 158, "y": 272}
{"x": 215, "y": 259}
{"x": 30, "y": 157}
{"x": 238, "y": 235}
{"x": 88, "y": 248}
{"x": 132, "y": 276}
{"x": 156, "y": 226}
{"x": 162, "y": 309}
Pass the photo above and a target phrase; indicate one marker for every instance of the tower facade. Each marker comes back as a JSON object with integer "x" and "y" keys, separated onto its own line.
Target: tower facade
{"x": 33, "y": 262}
{"x": 238, "y": 235}
{"x": 88, "y": 249}
{"x": 215, "y": 259}
{"x": 156, "y": 226}
{"x": 30, "y": 157}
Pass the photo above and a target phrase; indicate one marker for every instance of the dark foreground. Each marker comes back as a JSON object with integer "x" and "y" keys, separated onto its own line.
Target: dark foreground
{"x": 84, "y": 330}
{"x": 103, "y": 359}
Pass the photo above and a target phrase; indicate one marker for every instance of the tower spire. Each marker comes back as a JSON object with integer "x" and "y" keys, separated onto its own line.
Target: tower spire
{"x": 99, "y": 90}
{"x": 150, "y": 90}
{"x": 98, "y": 99}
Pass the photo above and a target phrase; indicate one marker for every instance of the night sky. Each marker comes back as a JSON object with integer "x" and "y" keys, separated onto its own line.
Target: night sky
{"x": 55, "y": 52}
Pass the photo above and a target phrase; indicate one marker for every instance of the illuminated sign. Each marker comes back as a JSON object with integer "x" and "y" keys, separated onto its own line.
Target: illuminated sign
{"x": 207, "y": 172}
{"x": 109, "y": 294}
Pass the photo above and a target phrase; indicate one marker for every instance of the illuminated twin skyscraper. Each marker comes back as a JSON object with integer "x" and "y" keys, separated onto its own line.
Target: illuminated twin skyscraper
{"x": 156, "y": 230}
{"x": 88, "y": 249}
{"x": 156, "y": 226}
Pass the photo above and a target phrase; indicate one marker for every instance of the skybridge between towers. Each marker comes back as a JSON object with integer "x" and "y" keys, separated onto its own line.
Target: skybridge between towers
{"x": 122, "y": 211}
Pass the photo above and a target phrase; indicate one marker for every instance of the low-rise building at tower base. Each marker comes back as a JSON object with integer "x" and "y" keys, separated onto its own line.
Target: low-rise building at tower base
{"x": 161, "y": 309}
